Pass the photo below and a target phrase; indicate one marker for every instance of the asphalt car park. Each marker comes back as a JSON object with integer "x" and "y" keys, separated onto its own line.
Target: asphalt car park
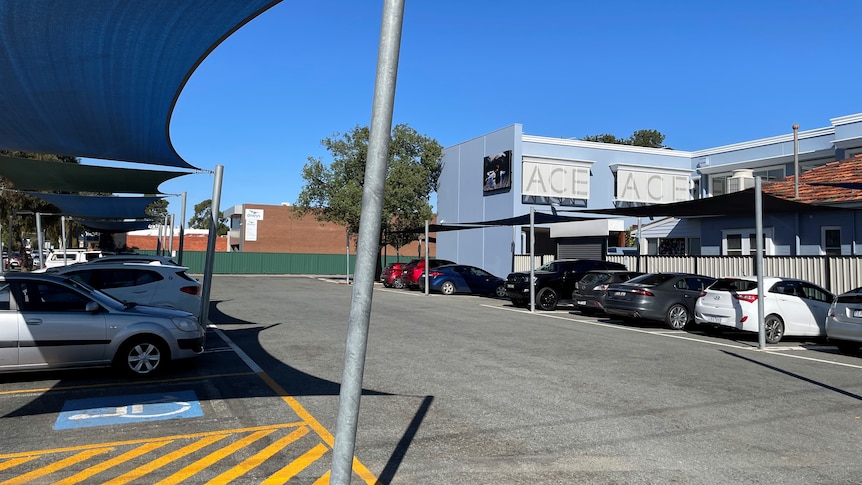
{"x": 457, "y": 389}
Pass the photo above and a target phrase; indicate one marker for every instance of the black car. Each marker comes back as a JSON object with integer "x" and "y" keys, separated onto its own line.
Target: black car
{"x": 590, "y": 292}
{"x": 664, "y": 297}
{"x": 554, "y": 281}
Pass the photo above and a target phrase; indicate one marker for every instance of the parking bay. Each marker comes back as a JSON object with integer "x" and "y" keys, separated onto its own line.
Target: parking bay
{"x": 463, "y": 389}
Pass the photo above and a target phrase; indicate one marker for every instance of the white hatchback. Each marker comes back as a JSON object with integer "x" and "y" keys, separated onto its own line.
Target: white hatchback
{"x": 162, "y": 285}
{"x": 791, "y": 306}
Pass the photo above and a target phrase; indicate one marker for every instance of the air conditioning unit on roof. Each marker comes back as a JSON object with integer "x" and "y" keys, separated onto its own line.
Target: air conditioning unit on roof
{"x": 740, "y": 180}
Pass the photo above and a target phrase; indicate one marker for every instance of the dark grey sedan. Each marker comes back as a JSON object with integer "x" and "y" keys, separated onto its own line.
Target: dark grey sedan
{"x": 663, "y": 297}
{"x": 590, "y": 292}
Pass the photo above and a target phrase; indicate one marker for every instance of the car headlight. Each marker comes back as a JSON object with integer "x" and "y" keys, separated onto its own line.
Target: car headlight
{"x": 185, "y": 324}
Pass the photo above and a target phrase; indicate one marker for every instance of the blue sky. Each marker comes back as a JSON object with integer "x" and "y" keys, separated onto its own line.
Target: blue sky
{"x": 703, "y": 74}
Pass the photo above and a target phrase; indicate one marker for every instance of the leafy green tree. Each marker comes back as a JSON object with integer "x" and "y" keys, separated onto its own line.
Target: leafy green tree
{"x": 12, "y": 202}
{"x": 158, "y": 210}
{"x": 202, "y": 216}
{"x": 640, "y": 138}
{"x": 333, "y": 192}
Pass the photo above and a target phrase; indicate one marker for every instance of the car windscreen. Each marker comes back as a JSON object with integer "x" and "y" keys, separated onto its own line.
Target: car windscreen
{"x": 651, "y": 279}
{"x": 733, "y": 284}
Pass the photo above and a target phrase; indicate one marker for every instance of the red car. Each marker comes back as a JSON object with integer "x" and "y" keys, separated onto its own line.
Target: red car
{"x": 391, "y": 276}
{"x": 413, "y": 271}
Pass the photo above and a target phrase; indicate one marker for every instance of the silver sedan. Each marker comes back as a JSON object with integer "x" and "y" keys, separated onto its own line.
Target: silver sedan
{"x": 49, "y": 322}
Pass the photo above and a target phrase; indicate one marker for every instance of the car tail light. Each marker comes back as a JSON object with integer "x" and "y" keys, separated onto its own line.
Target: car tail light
{"x": 433, "y": 274}
{"x": 642, "y": 292}
{"x": 191, "y": 290}
{"x": 747, "y": 297}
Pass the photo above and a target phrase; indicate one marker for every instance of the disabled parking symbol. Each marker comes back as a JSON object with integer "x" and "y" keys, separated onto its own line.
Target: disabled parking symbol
{"x": 110, "y": 410}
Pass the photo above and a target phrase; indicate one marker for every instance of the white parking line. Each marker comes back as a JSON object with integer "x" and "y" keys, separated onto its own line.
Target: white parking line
{"x": 682, "y": 335}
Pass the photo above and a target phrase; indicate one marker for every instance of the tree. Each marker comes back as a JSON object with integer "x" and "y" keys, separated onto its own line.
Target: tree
{"x": 158, "y": 210}
{"x": 12, "y": 203}
{"x": 334, "y": 192}
{"x": 201, "y": 218}
{"x": 640, "y": 138}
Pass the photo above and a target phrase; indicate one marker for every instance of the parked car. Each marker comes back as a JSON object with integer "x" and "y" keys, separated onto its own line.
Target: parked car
{"x": 663, "y": 297}
{"x": 414, "y": 270}
{"x": 12, "y": 263}
{"x": 134, "y": 258}
{"x": 554, "y": 280}
{"x": 844, "y": 321}
{"x": 59, "y": 258}
{"x": 160, "y": 285}
{"x": 391, "y": 276}
{"x": 50, "y": 322}
{"x": 591, "y": 290}
{"x": 791, "y": 306}
{"x": 462, "y": 278}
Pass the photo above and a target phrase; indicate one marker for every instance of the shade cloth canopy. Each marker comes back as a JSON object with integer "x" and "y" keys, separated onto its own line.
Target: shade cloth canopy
{"x": 735, "y": 203}
{"x": 523, "y": 220}
{"x": 49, "y": 175}
{"x": 100, "y": 78}
{"x": 108, "y": 226}
{"x": 98, "y": 207}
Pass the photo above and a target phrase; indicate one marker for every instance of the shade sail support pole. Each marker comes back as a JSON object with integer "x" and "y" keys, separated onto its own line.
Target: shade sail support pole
{"x": 206, "y": 284}
{"x": 368, "y": 242}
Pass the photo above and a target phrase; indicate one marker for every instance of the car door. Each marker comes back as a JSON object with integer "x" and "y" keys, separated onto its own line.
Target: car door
{"x": 794, "y": 309}
{"x": 55, "y": 328}
{"x": 691, "y": 287}
{"x": 9, "y": 322}
{"x": 479, "y": 280}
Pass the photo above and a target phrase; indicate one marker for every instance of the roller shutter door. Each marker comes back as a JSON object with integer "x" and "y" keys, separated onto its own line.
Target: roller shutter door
{"x": 581, "y": 248}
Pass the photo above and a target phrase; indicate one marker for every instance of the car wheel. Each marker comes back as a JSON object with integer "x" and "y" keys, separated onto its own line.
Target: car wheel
{"x": 774, "y": 327}
{"x": 847, "y": 347}
{"x": 142, "y": 356}
{"x": 398, "y": 283}
{"x": 447, "y": 288}
{"x": 547, "y": 299}
{"x": 677, "y": 317}
{"x": 500, "y": 291}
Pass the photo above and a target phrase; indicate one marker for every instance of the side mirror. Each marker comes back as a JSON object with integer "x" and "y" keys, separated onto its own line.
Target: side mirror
{"x": 91, "y": 307}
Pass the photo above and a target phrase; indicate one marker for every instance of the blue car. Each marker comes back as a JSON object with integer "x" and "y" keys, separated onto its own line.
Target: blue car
{"x": 461, "y": 278}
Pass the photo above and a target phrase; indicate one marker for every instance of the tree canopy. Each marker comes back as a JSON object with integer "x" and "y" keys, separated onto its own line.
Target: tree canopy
{"x": 333, "y": 192}
{"x": 14, "y": 203}
{"x": 640, "y": 138}
{"x": 202, "y": 216}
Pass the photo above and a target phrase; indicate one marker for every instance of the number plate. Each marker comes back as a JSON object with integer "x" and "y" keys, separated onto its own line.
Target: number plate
{"x": 510, "y": 285}
{"x": 619, "y": 293}
{"x": 857, "y": 313}
{"x": 582, "y": 302}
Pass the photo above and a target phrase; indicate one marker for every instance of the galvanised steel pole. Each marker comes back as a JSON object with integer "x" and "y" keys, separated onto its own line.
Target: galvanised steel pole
{"x": 758, "y": 227}
{"x": 532, "y": 259}
{"x": 211, "y": 243}
{"x": 182, "y": 229}
{"x": 368, "y": 240}
{"x": 427, "y": 267}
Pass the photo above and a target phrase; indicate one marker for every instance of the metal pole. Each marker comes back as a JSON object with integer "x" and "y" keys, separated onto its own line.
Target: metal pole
{"x": 182, "y": 229}
{"x": 796, "y": 160}
{"x": 159, "y": 239}
{"x": 171, "y": 237}
{"x": 347, "y": 252}
{"x": 8, "y": 266}
{"x": 427, "y": 268}
{"x": 369, "y": 237}
{"x": 758, "y": 227}
{"x": 63, "y": 232}
{"x": 532, "y": 259}
{"x": 40, "y": 238}
{"x": 206, "y": 284}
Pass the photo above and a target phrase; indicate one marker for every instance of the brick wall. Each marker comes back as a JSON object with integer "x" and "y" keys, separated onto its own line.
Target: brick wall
{"x": 191, "y": 242}
{"x": 281, "y": 232}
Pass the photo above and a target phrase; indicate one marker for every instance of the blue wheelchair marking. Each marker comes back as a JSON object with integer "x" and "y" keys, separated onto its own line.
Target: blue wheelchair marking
{"x": 105, "y": 411}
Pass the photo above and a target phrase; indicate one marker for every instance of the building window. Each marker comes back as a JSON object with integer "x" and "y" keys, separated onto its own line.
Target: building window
{"x": 743, "y": 242}
{"x": 831, "y": 240}
{"x": 733, "y": 245}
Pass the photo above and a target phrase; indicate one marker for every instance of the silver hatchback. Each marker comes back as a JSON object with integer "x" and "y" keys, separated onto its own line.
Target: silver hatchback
{"x": 844, "y": 321}
{"x": 49, "y": 322}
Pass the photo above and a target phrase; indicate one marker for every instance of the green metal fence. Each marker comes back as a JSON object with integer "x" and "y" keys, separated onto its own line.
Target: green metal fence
{"x": 274, "y": 263}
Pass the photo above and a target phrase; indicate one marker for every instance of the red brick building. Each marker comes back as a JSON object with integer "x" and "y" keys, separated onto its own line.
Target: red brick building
{"x": 147, "y": 240}
{"x": 259, "y": 228}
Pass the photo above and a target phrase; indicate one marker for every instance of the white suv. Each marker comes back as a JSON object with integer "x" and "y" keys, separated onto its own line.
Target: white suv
{"x": 161, "y": 285}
